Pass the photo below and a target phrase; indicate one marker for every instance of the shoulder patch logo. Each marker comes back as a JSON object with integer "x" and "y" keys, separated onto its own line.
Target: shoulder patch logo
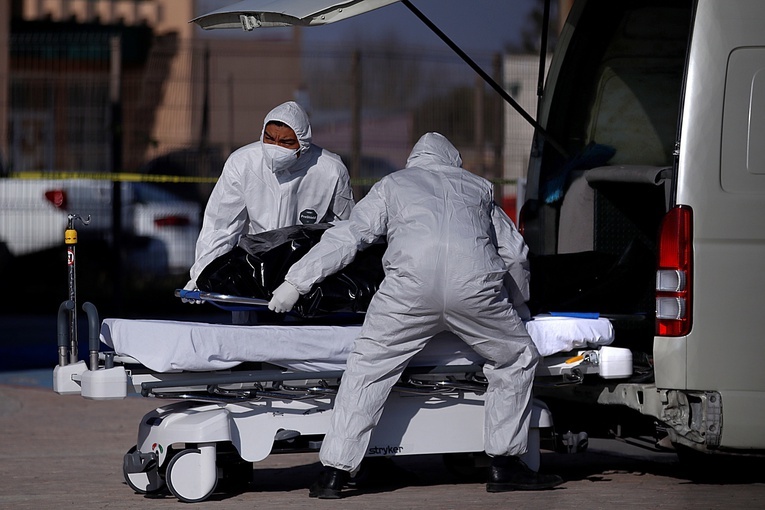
{"x": 308, "y": 216}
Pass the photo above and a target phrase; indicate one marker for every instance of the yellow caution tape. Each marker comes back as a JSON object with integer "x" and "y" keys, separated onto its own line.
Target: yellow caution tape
{"x": 117, "y": 177}
{"x": 136, "y": 177}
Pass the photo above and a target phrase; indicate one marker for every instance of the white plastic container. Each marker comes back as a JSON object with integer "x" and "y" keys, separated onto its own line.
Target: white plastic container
{"x": 615, "y": 362}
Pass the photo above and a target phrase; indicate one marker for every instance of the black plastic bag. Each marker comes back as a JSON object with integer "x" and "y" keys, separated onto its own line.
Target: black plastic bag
{"x": 594, "y": 282}
{"x": 258, "y": 264}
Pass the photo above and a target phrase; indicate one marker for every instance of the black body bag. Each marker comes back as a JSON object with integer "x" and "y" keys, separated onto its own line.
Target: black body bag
{"x": 258, "y": 264}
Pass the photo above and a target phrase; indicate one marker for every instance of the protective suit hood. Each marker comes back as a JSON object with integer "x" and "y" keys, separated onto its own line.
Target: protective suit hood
{"x": 293, "y": 115}
{"x": 434, "y": 149}
{"x": 250, "y": 197}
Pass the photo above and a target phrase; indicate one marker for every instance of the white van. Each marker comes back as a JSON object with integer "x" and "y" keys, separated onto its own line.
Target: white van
{"x": 661, "y": 223}
{"x": 645, "y": 204}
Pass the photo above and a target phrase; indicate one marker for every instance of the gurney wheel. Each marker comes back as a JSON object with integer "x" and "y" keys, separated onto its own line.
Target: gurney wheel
{"x": 145, "y": 482}
{"x": 191, "y": 475}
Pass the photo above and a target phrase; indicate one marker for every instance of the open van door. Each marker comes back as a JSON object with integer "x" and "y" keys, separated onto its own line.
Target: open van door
{"x": 250, "y": 14}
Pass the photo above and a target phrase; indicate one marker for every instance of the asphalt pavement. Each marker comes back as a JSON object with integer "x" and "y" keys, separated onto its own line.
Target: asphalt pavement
{"x": 66, "y": 452}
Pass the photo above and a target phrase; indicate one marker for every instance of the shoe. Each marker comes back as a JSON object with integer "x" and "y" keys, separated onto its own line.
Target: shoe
{"x": 329, "y": 484}
{"x": 512, "y": 474}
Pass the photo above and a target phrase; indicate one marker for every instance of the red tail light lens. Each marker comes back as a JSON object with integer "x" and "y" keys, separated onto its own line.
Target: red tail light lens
{"x": 57, "y": 197}
{"x": 674, "y": 274}
{"x": 522, "y": 220}
{"x": 172, "y": 221}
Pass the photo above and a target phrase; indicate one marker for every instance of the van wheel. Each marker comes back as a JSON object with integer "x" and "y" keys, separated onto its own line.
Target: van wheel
{"x": 720, "y": 468}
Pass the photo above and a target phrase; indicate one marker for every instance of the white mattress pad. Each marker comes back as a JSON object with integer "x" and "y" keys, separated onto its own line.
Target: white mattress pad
{"x": 171, "y": 346}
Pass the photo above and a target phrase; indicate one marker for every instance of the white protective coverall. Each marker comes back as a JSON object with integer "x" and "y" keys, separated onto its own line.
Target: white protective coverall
{"x": 449, "y": 247}
{"x": 250, "y": 198}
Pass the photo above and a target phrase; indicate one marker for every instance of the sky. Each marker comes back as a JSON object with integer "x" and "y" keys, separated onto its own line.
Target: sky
{"x": 475, "y": 25}
{"x": 480, "y": 26}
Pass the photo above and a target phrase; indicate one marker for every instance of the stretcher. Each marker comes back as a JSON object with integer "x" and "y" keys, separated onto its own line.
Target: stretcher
{"x": 239, "y": 393}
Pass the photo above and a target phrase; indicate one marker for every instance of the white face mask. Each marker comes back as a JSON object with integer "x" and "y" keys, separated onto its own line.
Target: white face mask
{"x": 279, "y": 158}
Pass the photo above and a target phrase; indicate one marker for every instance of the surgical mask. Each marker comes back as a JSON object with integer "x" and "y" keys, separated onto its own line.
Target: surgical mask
{"x": 279, "y": 158}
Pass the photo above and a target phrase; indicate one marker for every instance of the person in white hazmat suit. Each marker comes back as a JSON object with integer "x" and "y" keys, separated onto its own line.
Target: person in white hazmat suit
{"x": 279, "y": 181}
{"x": 449, "y": 249}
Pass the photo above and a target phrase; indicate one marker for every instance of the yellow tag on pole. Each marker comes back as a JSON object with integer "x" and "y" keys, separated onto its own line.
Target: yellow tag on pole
{"x": 70, "y": 236}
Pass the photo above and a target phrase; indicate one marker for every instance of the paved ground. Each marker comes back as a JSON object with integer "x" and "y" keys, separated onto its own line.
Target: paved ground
{"x": 66, "y": 452}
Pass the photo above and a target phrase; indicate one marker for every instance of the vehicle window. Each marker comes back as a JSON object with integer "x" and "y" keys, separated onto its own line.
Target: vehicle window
{"x": 621, "y": 83}
{"x": 743, "y": 153}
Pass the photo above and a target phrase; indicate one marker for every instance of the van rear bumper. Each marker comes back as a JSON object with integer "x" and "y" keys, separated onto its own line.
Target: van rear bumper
{"x": 692, "y": 418}
{"x": 675, "y": 417}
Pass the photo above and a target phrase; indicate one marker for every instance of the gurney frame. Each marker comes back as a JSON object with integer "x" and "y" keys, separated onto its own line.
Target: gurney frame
{"x": 219, "y": 423}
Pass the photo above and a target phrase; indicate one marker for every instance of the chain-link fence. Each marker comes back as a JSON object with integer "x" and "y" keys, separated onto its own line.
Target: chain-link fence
{"x": 145, "y": 139}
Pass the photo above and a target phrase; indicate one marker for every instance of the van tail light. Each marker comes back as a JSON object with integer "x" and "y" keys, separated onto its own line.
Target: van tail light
{"x": 172, "y": 221}
{"x": 522, "y": 215}
{"x": 674, "y": 274}
{"x": 57, "y": 197}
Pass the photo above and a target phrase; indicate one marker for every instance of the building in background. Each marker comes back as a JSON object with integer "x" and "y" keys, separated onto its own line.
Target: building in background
{"x": 179, "y": 90}
{"x": 188, "y": 97}
{"x": 175, "y": 100}
{"x": 5, "y": 27}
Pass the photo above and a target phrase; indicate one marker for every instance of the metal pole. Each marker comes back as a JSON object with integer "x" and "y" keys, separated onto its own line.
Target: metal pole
{"x": 479, "y": 140}
{"x": 204, "y": 135}
{"x": 543, "y": 49}
{"x": 498, "y": 135}
{"x": 62, "y": 332}
{"x": 93, "y": 334}
{"x": 70, "y": 239}
{"x": 230, "y": 140}
{"x": 356, "y": 82}
{"x": 115, "y": 93}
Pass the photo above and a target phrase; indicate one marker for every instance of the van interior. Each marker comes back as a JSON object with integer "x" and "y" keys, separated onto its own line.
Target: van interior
{"x": 592, "y": 228}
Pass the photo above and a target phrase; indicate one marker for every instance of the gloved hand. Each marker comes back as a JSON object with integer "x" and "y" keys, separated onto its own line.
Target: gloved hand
{"x": 285, "y": 297}
{"x": 192, "y": 285}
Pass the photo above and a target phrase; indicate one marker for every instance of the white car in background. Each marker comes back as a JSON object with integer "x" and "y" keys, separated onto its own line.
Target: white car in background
{"x": 32, "y": 216}
{"x": 159, "y": 230}
{"x": 170, "y": 224}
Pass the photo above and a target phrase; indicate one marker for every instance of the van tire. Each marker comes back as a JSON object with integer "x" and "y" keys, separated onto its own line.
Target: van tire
{"x": 720, "y": 468}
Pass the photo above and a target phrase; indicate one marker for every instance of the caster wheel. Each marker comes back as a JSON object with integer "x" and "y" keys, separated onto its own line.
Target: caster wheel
{"x": 141, "y": 472}
{"x": 191, "y": 475}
